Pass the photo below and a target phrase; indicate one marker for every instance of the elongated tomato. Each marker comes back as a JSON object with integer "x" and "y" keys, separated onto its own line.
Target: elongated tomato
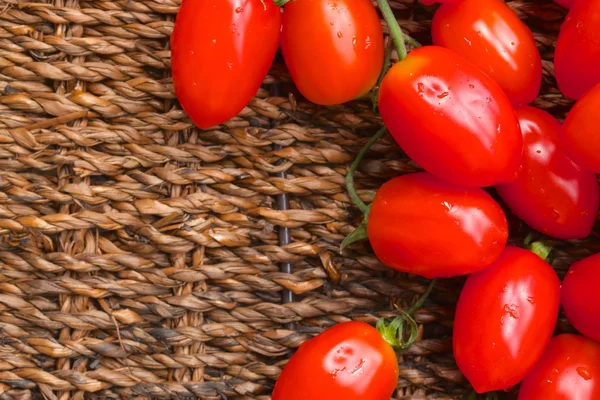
{"x": 418, "y": 221}
{"x": 568, "y": 370}
{"x": 333, "y": 49}
{"x": 491, "y": 35}
{"x": 451, "y": 118}
{"x": 349, "y": 361}
{"x": 580, "y": 135}
{"x": 221, "y": 51}
{"x": 552, "y": 194}
{"x": 577, "y": 53}
{"x": 504, "y": 319}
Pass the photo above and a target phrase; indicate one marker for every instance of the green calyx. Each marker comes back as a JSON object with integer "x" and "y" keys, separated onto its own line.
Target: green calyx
{"x": 538, "y": 247}
{"x": 394, "y": 331}
{"x": 278, "y": 3}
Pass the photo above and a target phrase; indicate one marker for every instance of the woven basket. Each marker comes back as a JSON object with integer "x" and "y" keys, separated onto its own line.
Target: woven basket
{"x": 142, "y": 258}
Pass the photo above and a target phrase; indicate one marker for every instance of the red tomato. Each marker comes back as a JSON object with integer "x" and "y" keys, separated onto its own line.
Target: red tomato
{"x": 221, "y": 51}
{"x": 580, "y": 136}
{"x": 349, "y": 361}
{"x": 417, "y": 222}
{"x": 552, "y": 194}
{"x": 577, "y": 53}
{"x": 451, "y": 118}
{"x": 490, "y": 34}
{"x": 504, "y": 319}
{"x": 568, "y": 370}
{"x": 565, "y": 3}
{"x": 333, "y": 49}
{"x": 580, "y": 297}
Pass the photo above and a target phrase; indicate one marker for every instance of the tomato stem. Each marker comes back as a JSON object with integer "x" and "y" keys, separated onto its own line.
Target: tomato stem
{"x": 395, "y": 30}
{"x": 279, "y": 3}
{"x": 393, "y": 332}
{"x": 386, "y": 67}
{"x": 350, "y": 176}
{"x": 541, "y": 249}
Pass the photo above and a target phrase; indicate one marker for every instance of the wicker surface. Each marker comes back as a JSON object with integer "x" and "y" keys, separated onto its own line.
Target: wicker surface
{"x": 142, "y": 257}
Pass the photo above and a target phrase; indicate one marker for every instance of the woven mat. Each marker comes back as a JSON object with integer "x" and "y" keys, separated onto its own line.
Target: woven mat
{"x": 142, "y": 258}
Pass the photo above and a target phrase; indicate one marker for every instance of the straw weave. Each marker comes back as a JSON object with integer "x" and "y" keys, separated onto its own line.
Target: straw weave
{"x": 142, "y": 258}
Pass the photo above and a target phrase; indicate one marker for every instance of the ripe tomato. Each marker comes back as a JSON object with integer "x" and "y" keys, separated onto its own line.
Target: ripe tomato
{"x": 504, "y": 319}
{"x": 565, "y": 3}
{"x": 451, "y": 118}
{"x": 568, "y": 369}
{"x": 580, "y": 298}
{"x": 417, "y": 222}
{"x": 580, "y": 136}
{"x": 333, "y": 49}
{"x": 349, "y": 361}
{"x": 577, "y": 53}
{"x": 552, "y": 194}
{"x": 490, "y": 34}
{"x": 221, "y": 51}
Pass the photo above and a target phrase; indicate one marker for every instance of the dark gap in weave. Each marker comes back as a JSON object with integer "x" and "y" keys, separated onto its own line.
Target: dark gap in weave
{"x": 283, "y": 203}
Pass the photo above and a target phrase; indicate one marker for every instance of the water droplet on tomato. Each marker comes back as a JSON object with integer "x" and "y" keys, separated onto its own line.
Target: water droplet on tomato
{"x": 340, "y": 34}
{"x": 238, "y": 10}
{"x": 420, "y": 87}
{"x": 354, "y": 41}
{"x": 531, "y": 300}
{"x": 549, "y": 381}
{"x": 584, "y": 373}
{"x": 471, "y": 86}
{"x": 512, "y": 43}
{"x": 442, "y": 95}
{"x": 367, "y": 42}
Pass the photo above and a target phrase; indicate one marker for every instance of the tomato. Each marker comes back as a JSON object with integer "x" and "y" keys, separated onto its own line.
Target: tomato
{"x": 504, "y": 319}
{"x": 333, "y": 49}
{"x": 577, "y": 53}
{"x": 451, "y": 118}
{"x": 221, "y": 51}
{"x": 580, "y": 298}
{"x": 565, "y": 3}
{"x": 348, "y": 361}
{"x": 568, "y": 370}
{"x": 552, "y": 194}
{"x": 418, "y": 221}
{"x": 580, "y": 137}
{"x": 490, "y": 34}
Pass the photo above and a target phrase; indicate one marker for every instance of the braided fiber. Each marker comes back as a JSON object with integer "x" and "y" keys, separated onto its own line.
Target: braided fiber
{"x": 141, "y": 258}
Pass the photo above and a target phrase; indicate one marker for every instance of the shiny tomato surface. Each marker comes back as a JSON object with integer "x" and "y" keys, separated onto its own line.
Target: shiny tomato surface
{"x": 577, "y": 53}
{"x": 568, "y": 370}
{"x": 451, "y": 118}
{"x": 422, "y": 225}
{"x": 552, "y": 194}
{"x": 580, "y": 297}
{"x": 490, "y": 34}
{"x": 349, "y": 361}
{"x": 580, "y": 135}
{"x": 221, "y": 51}
{"x": 333, "y": 49}
{"x": 505, "y": 317}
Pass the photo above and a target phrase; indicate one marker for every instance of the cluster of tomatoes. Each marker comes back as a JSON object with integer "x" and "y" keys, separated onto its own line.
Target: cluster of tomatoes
{"x": 460, "y": 108}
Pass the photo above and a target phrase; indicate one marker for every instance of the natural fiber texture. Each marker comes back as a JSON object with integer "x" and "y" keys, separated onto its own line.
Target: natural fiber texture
{"x": 142, "y": 258}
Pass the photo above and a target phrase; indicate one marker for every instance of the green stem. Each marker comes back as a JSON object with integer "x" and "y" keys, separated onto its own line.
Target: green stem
{"x": 350, "y": 176}
{"x": 412, "y": 41}
{"x": 395, "y": 30}
{"x": 387, "y": 56}
{"x": 419, "y": 303}
{"x": 280, "y": 3}
{"x": 541, "y": 249}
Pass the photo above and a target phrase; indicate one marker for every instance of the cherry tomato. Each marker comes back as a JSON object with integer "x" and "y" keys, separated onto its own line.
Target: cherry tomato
{"x": 580, "y": 298}
{"x": 504, "y": 319}
{"x": 451, "y": 118}
{"x": 568, "y": 370}
{"x": 552, "y": 194}
{"x": 417, "y": 222}
{"x": 565, "y": 3}
{"x": 490, "y": 34}
{"x": 577, "y": 53}
{"x": 580, "y": 136}
{"x": 333, "y": 49}
{"x": 349, "y": 361}
{"x": 221, "y": 51}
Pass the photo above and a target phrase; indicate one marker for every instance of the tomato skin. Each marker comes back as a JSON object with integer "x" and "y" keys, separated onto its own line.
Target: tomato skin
{"x": 338, "y": 56}
{"x": 221, "y": 51}
{"x": 580, "y": 298}
{"x": 451, "y": 118}
{"x": 552, "y": 194}
{"x": 417, "y": 221}
{"x": 577, "y": 52}
{"x": 505, "y": 317}
{"x": 568, "y": 370}
{"x": 565, "y": 3}
{"x": 580, "y": 137}
{"x": 489, "y": 34}
{"x": 349, "y": 361}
